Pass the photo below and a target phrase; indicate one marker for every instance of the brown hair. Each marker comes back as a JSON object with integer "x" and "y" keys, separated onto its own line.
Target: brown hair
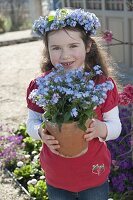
{"x": 96, "y": 56}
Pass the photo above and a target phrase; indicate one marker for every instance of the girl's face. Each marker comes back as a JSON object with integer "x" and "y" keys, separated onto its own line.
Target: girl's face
{"x": 67, "y": 48}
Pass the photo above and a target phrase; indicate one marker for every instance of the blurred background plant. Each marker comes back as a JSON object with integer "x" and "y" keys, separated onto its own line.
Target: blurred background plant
{"x": 2, "y": 24}
{"x": 20, "y": 155}
{"x": 10, "y": 150}
{"x": 39, "y": 190}
{"x": 14, "y": 15}
{"x": 121, "y": 176}
{"x": 129, "y": 5}
{"x": 27, "y": 171}
{"x": 107, "y": 35}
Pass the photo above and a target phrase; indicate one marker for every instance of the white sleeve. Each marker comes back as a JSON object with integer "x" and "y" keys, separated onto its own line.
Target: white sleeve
{"x": 34, "y": 122}
{"x": 113, "y": 123}
{"x": 111, "y": 119}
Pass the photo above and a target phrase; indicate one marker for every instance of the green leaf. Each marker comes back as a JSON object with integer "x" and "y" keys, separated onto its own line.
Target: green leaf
{"x": 67, "y": 116}
{"x": 64, "y": 11}
{"x": 90, "y": 113}
{"x": 43, "y": 125}
{"x": 51, "y": 18}
{"x": 55, "y": 117}
{"x": 47, "y": 114}
{"x": 82, "y": 120}
{"x": 82, "y": 126}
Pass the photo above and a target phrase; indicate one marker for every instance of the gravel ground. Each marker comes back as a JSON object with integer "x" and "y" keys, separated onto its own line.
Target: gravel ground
{"x": 9, "y": 190}
{"x": 18, "y": 65}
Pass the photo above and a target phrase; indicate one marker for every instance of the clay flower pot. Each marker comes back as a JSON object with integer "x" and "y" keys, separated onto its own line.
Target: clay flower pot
{"x": 70, "y": 137}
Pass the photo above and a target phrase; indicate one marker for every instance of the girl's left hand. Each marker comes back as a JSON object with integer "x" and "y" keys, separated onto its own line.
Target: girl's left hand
{"x": 96, "y": 129}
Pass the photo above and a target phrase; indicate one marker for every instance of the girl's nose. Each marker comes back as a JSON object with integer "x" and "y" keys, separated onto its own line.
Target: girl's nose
{"x": 65, "y": 55}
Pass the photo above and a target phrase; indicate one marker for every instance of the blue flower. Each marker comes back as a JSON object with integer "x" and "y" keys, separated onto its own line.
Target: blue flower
{"x": 57, "y": 79}
{"x": 94, "y": 98}
{"x": 55, "y": 98}
{"x": 74, "y": 112}
{"x": 69, "y": 93}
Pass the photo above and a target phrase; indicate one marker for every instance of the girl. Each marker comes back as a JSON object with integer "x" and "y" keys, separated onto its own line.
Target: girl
{"x": 68, "y": 41}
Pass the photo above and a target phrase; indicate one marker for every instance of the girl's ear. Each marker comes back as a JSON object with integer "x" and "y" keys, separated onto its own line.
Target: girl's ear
{"x": 88, "y": 46}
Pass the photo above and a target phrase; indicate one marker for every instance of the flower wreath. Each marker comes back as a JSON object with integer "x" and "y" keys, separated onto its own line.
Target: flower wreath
{"x": 67, "y": 17}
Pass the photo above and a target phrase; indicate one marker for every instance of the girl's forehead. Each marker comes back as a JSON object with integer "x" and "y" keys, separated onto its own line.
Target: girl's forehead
{"x": 64, "y": 35}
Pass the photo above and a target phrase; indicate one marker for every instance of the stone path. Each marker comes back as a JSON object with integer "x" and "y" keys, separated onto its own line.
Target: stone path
{"x": 17, "y": 37}
{"x": 8, "y": 36}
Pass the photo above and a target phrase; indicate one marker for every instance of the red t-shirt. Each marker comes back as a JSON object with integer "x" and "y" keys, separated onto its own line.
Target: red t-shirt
{"x": 83, "y": 172}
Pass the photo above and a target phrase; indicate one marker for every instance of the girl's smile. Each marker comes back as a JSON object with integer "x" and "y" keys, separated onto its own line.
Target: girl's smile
{"x": 67, "y": 64}
{"x": 67, "y": 48}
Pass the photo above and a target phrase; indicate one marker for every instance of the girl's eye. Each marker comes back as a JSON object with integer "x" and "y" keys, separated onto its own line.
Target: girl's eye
{"x": 73, "y": 46}
{"x": 56, "y": 48}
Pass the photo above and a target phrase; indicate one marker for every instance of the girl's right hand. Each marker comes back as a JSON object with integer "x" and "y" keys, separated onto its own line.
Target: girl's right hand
{"x": 49, "y": 140}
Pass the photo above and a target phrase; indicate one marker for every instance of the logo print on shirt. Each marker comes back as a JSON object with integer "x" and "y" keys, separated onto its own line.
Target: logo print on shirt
{"x": 98, "y": 169}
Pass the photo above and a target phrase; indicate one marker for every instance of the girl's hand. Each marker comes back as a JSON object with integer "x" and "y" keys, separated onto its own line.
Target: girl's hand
{"x": 96, "y": 129}
{"x": 49, "y": 140}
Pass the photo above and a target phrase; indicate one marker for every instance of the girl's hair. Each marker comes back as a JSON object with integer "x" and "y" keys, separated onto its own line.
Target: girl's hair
{"x": 96, "y": 56}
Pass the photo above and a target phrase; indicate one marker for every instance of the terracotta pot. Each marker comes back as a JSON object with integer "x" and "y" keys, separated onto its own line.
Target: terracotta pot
{"x": 70, "y": 138}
